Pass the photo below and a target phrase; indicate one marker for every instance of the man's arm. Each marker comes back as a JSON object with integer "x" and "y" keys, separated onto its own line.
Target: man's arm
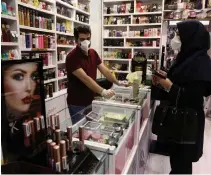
{"x": 88, "y": 81}
{"x": 106, "y": 72}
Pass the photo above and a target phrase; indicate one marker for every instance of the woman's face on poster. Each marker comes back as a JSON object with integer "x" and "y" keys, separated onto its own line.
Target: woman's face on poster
{"x": 19, "y": 85}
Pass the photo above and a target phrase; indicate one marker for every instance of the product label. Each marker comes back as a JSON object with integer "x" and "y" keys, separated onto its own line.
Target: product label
{"x": 38, "y": 124}
{"x": 28, "y": 130}
{"x": 42, "y": 122}
{"x": 58, "y": 167}
{"x": 34, "y": 41}
{"x": 55, "y": 121}
{"x": 52, "y": 164}
{"x": 64, "y": 162}
{"x": 67, "y": 167}
{"x": 48, "y": 122}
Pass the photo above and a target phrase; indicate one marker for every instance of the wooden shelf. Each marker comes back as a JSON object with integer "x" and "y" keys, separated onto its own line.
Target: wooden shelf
{"x": 9, "y": 44}
{"x": 35, "y": 8}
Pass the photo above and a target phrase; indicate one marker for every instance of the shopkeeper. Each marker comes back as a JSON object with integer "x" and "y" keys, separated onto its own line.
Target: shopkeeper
{"x": 82, "y": 64}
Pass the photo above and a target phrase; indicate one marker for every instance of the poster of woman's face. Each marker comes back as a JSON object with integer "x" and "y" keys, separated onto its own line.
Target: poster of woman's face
{"x": 20, "y": 82}
{"x": 22, "y": 104}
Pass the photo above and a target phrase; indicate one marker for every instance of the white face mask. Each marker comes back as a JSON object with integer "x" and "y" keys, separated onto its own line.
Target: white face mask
{"x": 176, "y": 43}
{"x": 85, "y": 45}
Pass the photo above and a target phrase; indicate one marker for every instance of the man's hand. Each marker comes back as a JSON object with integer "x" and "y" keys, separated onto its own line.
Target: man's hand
{"x": 88, "y": 81}
{"x": 107, "y": 93}
{"x": 107, "y": 73}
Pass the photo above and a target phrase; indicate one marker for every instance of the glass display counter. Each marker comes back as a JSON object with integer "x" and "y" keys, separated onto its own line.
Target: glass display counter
{"x": 107, "y": 129}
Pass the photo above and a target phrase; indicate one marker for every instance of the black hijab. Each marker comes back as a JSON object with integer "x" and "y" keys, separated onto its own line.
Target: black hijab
{"x": 192, "y": 62}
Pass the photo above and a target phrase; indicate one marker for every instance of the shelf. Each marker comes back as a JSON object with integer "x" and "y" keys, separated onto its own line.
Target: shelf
{"x": 79, "y": 22}
{"x": 114, "y": 37}
{"x": 134, "y": 14}
{"x": 130, "y": 47}
{"x": 146, "y": 24}
{"x": 35, "y": 8}
{"x": 136, "y": 25}
{"x": 64, "y": 17}
{"x": 136, "y": 37}
{"x": 72, "y": 7}
{"x": 116, "y": 25}
{"x": 147, "y": 13}
{"x": 118, "y": 14}
{"x": 64, "y": 4}
{"x": 50, "y": 81}
{"x": 63, "y": 33}
{"x": 82, "y": 11}
{"x": 120, "y": 71}
{"x": 113, "y": 47}
{"x": 118, "y": 1}
{"x": 9, "y": 44}
{"x": 145, "y": 47}
{"x": 174, "y": 22}
{"x": 65, "y": 46}
{"x": 8, "y": 17}
{"x": 168, "y": 10}
{"x": 150, "y": 60}
{"x": 36, "y": 29}
{"x": 36, "y": 50}
{"x": 49, "y": 1}
{"x": 57, "y": 94}
{"x": 49, "y": 67}
{"x": 61, "y": 78}
{"x": 61, "y": 62}
{"x": 116, "y": 59}
{"x": 144, "y": 37}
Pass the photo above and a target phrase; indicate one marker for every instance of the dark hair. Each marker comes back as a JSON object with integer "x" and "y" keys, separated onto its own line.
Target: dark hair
{"x": 81, "y": 29}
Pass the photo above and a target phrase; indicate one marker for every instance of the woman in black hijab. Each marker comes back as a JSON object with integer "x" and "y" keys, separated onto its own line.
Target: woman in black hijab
{"x": 191, "y": 73}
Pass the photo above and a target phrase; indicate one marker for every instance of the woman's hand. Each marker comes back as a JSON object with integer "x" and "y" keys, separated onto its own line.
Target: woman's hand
{"x": 165, "y": 83}
{"x": 162, "y": 73}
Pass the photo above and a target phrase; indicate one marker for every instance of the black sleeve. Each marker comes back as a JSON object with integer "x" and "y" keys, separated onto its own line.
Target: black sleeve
{"x": 188, "y": 93}
{"x": 158, "y": 93}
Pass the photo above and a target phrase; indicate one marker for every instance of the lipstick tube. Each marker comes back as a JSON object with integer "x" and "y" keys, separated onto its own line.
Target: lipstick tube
{"x": 63, "y": 154}
{"x": 67, "y": 145}
{"x": 27, "y": 132}
{"x": 81, "y": 138}
{"x": 49, "y": 124}
{"x": 48, "y": 142}
{"x": 52, "y": 122}
{"x": 57, "y": 158}
{"x": 42, "y": 122}
{"x": 57, "y": 121}
{"x": 32, "y": 132}
{"x": 51, "y": 158}
{"x": 37, "y": 124}
{"x": 58, "y": 136}
{"x": 69, "y": 135}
